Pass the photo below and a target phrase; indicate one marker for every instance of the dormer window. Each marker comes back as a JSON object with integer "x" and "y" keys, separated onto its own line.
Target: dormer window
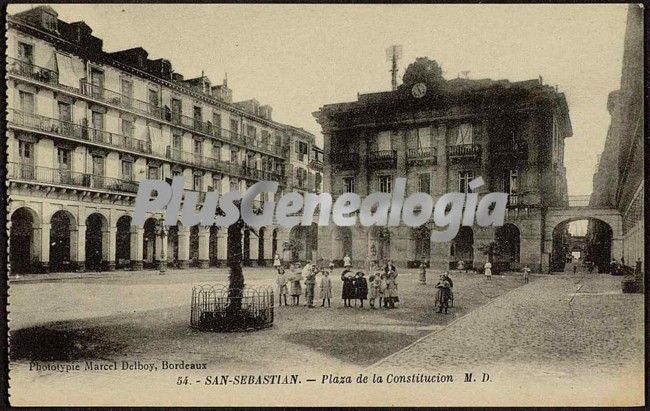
{"x": 49, "y": 21}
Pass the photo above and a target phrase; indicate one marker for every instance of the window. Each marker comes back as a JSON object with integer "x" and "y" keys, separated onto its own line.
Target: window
{"x": 216, "y": 119}
{"x": 97, "y": 79}
{"x": 216, "y": 151}
{"x": 63, "y": 158}
{"x": 216, "y": 183}
{"x": 26, "y": 102}
{"x": 424, "y": 137}
{"x": 234, "y": 185}
{"x": 152, "y": 173}
{"x": 348, "y": 184}
{"x": 127, "y": 128}
{"x": 49, "y": 21}
{"x": 65, "y": 111}
{"x": 302, "y": 149}
{"x": 127, "y": 90}
{"x": 234, "y": 126}
{"x": 98, "y": 165}
{"x": 26, "y": 151}
{"x": 177, "y": 107}
{"x": 385, "y": 184}
{"x": 424, "y": 183}
{"x": 127, "y": 170}
{"x": 198, "y": 147}
{"x": 98, "y": 120}
{"x": 176, "y": 173}
{"x": 153, "y": 98}
{"x": 196, "y": 183}
{"x": 511, "y": 182}
{"x": 464, "y": 177}
{"x": 234, "y": 155}
{"x": 251, "y": 131}
{"x": 383, "y": 141}
{"x": 198, "y": 115}
{"x": 177, "y": 142}
{"x": 464, "y": 134}
{"x": 26, "y": 52}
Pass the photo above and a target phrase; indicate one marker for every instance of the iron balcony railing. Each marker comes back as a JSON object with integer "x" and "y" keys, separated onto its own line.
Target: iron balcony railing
{"x": 99, "y": 92}
{"x": 316, "y": 164}
{"x": 382, "y": 159}
{"x": 76, "y": 131}
{"x": 58, "y": 176}
{"x": 425, "y": 154}
{"x": 32, "y": 71}
{"x": 464, "y": 152}
{"x": 518, "y": 149}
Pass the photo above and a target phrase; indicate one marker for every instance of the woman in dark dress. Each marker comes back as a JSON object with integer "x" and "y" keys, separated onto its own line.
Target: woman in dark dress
{"x": 443, "y": 294}
{"x": 361, "y": 287}
{"x": 348, "y": 292}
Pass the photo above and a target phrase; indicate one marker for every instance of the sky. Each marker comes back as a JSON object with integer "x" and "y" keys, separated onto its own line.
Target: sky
{"x": 299, "y": 57}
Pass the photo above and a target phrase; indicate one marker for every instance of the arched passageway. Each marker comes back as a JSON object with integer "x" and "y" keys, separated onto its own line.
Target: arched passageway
{"x": 96, "y": 242}
{"x": 462, "y": 248}
{"x": 63, "y": 228}
{"x": 582, "y": 242}
{"x": 508, "y": 239}
{"x": 22, "y": 240}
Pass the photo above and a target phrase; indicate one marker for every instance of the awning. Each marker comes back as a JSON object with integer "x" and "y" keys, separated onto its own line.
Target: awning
{"x": 67, "y": 75}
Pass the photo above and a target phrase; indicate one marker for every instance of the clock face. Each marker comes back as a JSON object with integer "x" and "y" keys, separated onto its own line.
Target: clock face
{"x": 419, "y": 90}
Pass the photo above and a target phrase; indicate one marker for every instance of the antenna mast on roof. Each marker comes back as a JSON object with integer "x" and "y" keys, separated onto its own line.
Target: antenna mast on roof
{"x": 394, "y": 53}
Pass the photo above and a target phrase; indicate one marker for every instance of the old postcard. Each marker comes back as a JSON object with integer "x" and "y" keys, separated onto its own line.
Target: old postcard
{"x": 325, "y": 204}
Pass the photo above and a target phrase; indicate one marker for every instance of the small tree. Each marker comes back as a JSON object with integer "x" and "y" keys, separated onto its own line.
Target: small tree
{"x": 426, "y": 71}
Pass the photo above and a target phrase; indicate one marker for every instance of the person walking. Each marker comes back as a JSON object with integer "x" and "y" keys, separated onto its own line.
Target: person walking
{"x": 488, "y": 270}
{"x": 423, "y": 272}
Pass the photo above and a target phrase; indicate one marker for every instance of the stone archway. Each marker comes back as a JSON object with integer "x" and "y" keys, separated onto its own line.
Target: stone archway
{"x": 508, "y": 238}
{"x": 123, "y": 242}
{"x": 96, "y": 245}
{"x": 462, "y": 248}
{"x": 63, "y": 241}
{"x": 600, "y": 247}
{"x": 23, "y": 240}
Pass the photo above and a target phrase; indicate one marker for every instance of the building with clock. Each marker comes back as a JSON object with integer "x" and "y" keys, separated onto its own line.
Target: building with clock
{"x": 84, "y": 126}
{"x": 440, "y": 134}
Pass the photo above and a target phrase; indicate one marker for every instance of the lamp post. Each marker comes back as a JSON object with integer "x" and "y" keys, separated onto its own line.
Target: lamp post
{"x": 162, "y": 267}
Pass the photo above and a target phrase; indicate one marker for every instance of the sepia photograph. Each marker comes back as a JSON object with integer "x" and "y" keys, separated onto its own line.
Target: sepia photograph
{"x": 325, "y": 204}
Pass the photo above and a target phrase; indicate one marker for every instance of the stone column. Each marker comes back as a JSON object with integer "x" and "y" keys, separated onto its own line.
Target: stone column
{"x": 254, "y": 251}
{"x": 222, "y": 247}
{"x": 617, "y": 250}
{"x": 440, "y": 178}
{"x": 80, "y": 244}
{"x": 112, "y": 239}
{"x": 44, "y": 258}
{"x": 137, "y": 243}
{"x": 183, "y": 247}
{"x": 204, "y": 247}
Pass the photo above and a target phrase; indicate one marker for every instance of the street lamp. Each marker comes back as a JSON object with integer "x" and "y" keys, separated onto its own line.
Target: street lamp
{"x": 162, "y": 267}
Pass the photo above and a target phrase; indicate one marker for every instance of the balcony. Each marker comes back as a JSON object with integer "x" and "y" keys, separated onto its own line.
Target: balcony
{"x": 422, "y": 156}
{"x": 55, "y": 176}
{"x": 100, "y": 93}
{"x": 464, "y": 153}
{"x": 345, "y": 161}
{"x": 509, "y": 150}
{"x": 76, "y": 131}
{"x": 316, "y": 164}
{"x": 382, "y": 159}
{"x": 32, "y": 71}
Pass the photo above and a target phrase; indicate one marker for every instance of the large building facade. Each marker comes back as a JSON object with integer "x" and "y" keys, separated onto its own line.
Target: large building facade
{"x": 440, "y": 135}
{"x": 85, "y": 126}
{"x": 619, "y": 178}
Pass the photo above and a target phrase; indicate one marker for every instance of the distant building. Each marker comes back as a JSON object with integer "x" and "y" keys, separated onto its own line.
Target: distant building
{"x": 619, "y": 178}
{"x": 441, "y": 134}
{"x": 85, "y": 126}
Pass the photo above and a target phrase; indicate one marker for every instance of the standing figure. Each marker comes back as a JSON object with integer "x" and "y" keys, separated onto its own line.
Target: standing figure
{"x": 361, "y": 287}
{"x": 461, "y": 265}
{"x": 348, "y": 292}
{"x": 382, "y": 291}
{"x": 277, "y": 263}
{"x": 310, "y": 285}
{"x": 423, "y": 272}
{"x": 391, "y": 289}
{"x": 326, "y": 287}
{"x": 488, "y": 270}
{"x": 296, "y": 288}
{"x": 281, "y": 281}
{"x": 375, "y": 284}
{"x": 526, "y": 273}
{"x": 369, "y": 264}
{"x": 347, "y": 262}
{"x": 443, "y": 294}
{"x": 389, "y": 267}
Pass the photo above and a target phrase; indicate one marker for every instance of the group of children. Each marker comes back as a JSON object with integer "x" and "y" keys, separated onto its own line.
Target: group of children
{"x": 381, "y": 286}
